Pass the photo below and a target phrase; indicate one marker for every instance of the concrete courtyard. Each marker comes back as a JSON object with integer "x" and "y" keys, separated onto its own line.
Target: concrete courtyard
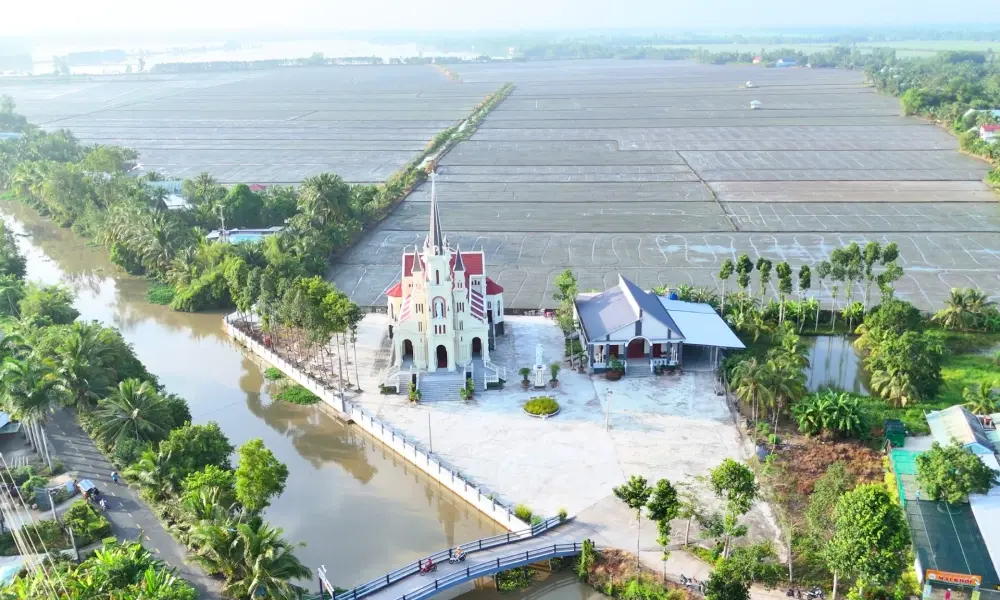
{"x": 674, "y": 427}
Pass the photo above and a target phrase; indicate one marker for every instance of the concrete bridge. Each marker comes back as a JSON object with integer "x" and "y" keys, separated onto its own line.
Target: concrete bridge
{"x": 552, "y": 538}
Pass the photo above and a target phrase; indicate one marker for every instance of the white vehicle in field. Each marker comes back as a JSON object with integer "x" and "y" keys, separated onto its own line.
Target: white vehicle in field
{"x": 754, "y": 104}
{"x": 750, "y": 85}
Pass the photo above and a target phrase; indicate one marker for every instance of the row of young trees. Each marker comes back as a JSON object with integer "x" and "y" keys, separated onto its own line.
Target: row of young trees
{"x": 183, "y": 470}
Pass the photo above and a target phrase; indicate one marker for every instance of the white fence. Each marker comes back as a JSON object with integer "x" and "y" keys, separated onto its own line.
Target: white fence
{"x": 447, "y": 475}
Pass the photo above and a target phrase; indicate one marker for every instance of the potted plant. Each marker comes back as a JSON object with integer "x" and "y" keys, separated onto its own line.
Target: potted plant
{"x": 616, "y": 369}
{"x": 525, "y": 371}
{"x": 468, "y": 391}
{"x": 554, "y": 369}
{"x": 414, "y": 393}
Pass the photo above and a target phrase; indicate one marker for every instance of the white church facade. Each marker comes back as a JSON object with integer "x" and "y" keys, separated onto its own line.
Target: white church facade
{"x": 444, "y": 312}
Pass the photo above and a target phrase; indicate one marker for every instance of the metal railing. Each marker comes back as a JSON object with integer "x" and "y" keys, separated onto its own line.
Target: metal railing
{"x": 414, "y": 568}
{"x": 503, "y": 563}
{"x": 386, "y": 373}
{"x": 498, "y": 371}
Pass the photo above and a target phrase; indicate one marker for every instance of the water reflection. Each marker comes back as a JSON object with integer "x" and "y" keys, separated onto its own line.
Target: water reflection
{"x": 833, "y": 363}
{"x": 360, "y": 509}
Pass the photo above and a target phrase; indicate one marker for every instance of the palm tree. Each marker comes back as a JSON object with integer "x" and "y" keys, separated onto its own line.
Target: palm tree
{"x": 29, "y": 392}
{"x": 786, "y": 383}
{"x": 894, "y": 385}
{"x": 159, "y": 243}
{"x": 80, "y": 365}
{"x": 216, "y": 548}
{"x": 267, "y": 563}
{"x": 982, "y": 400}
{"x": 955, "y": 314}
{"x": 158, "y": 199}
{"x": 324, "y": 197}
{"x": 749, "y": 384}
{"x": 153, "y": 472}
{"x": 133, "y": 411}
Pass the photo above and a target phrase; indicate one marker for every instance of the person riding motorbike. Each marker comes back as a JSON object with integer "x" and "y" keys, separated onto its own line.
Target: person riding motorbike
{"x": 428, "y": 566}
{"x": 457, "y": 555}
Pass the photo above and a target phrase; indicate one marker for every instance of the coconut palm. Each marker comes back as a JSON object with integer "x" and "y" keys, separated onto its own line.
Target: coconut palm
{"x": 133, "y": 411}
{"x": 894, "y": 385}
{"x": 159, "y": 243}
{"x": 267, "y": 563}
{"x": 981, "y": 400}
{"x": 749, "y": 383}
{"x": 153, "y": 472}
{"x": 323, "y": 198}
{"x": 81, "y": 362}
{"x": 29, "y": 392}
{"x": 956, "y": 313}
{"x": 216, "y": 548}
{"x": 158, "y": 199}
{"x": 786, "y": 383}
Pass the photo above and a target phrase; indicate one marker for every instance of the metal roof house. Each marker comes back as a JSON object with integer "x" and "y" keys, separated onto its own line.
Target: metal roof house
{"x": 644, "y": 330}
{"x": 959, "y": 425}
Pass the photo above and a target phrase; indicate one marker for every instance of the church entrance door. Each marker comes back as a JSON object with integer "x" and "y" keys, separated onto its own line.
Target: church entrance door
{"x": 442, "y": 356}
{"x": 477, "y": 348}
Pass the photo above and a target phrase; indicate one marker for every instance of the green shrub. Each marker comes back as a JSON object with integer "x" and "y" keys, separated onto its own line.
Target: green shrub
{"x": 515, "y": 579}
{"x": 273, "y": 374}
{"x": 536, "y": 520}
{"x": 159, "y": 293}
{"x": 542, "y": 405}
{"x": 127, "y": 452}
{"x": 563, "y": 514}
{"x": 88, "y": 524}
{"x": 296, "y": 394}
{"x": 523, "y": 512}
{"x": 207, "y": 292}
{"x": 125, "y": 258}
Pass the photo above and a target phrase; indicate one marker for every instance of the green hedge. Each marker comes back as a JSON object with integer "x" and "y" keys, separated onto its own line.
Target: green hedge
{"x": 543, "y": 405}
{"x": 296, "y": 394}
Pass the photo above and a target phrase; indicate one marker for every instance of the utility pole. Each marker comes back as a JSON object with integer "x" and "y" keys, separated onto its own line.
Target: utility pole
{"x": 72, "y": 541}
{"x": 607, "y": 416}
{"x": 52, "y": 504}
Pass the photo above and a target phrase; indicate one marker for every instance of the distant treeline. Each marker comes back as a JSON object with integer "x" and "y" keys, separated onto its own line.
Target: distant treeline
{"x": 590, "y": 45}
{"x": 317, "y": 59}
{"x": 16, "y": 62}
{"x": 95, "y": 57}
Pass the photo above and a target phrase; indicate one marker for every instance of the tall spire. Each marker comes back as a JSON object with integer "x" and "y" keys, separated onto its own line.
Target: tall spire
{"x": 435, "y": 239}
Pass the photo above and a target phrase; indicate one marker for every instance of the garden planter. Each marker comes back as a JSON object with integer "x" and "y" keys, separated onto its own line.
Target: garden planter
{"x": 554, "y": 383}
{"x": 613, "y": 375}
{"x": 525, "y": 383}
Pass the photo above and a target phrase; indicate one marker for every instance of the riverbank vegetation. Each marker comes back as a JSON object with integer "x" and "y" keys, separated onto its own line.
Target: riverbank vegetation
{"x": 93, "y": 190}
{"x": 182, "y": 470}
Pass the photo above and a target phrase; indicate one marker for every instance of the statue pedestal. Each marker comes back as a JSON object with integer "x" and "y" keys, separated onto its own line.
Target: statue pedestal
{"x": 540, "y": 373}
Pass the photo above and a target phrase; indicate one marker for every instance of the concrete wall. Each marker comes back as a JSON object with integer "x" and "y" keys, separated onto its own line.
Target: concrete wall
{"x": 383, "y": 432}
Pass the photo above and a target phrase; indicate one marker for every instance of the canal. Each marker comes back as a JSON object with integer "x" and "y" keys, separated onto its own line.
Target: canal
{"x": 359, "y": 508}
{"x": 834, "y": 363}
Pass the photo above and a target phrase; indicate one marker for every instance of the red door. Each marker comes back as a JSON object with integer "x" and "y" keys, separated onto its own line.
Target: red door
{"x": 657, "y": 352}
{"x": 613, "y": 350}
{"x": 636, "y": 348}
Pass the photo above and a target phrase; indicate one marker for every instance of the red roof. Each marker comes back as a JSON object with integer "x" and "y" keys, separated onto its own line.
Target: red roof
{"x": 256, "y": 187}
{"x": 473, "y": 262}
{"x": 990, "y": 128}
{"x": 493, "y": 287}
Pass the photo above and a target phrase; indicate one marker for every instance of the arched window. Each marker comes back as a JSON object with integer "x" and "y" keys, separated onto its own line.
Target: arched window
{"x": 438, "y": 308}
{"x": 437, "y": 277}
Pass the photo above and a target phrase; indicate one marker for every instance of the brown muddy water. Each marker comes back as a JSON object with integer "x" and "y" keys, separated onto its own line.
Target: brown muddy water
{"x": 360, "y": 509}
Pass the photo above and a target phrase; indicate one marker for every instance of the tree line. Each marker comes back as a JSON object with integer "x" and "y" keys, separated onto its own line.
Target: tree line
{"x": 48, "y": 360}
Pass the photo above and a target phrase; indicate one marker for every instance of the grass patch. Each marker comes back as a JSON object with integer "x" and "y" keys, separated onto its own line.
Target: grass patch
{"x": 523, "y": 512}
{"x": 159, "y": 293}
{"x": 296, "y": 394}
{"x": 966, "y": 371}
{"x": 543, "y": 405}
{"x": 273, "y": 374}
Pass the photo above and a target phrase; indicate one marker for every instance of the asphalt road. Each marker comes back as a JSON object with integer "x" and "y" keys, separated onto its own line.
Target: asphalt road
{"x": 130, "y": 517}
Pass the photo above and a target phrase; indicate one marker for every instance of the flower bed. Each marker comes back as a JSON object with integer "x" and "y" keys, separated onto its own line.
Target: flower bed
{"x": 541, "y": 407}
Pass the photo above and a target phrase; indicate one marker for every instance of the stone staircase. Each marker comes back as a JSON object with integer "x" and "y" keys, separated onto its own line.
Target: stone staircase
{"x": 441, "y": 387}
{"x": 478, "y": 375}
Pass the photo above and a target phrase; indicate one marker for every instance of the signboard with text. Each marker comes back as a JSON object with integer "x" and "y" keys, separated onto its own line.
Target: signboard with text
{"x": 953, "y": 578}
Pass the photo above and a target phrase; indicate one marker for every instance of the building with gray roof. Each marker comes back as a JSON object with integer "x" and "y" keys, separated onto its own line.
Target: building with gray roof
{"x": 643, "y": 330}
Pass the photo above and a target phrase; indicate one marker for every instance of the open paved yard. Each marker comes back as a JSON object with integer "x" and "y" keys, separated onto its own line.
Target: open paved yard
{"x": 660, "y": 170}
{"x": 674, "y": 427}
{"x": 274, "y": 126}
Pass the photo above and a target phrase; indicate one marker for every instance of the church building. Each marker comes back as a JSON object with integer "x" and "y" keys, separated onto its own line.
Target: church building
{"x": 445, "y": 311}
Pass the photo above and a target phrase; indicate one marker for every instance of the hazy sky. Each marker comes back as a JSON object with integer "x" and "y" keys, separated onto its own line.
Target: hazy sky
{"x": 30, "y": 18}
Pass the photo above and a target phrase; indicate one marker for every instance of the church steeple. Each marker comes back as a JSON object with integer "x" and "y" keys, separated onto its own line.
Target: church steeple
{"x": 435, "y": 242}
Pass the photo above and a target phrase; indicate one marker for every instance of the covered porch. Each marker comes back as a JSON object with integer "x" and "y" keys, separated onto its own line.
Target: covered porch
{"x": 640, "y": 354}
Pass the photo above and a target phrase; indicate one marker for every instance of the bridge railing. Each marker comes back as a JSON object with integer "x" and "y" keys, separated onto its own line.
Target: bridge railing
{"x": 496, "y": 565}
{"x": 474, "y": 546}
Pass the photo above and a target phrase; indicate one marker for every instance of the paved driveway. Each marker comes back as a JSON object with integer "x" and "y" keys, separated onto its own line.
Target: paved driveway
{"x": 130, "y": 517}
